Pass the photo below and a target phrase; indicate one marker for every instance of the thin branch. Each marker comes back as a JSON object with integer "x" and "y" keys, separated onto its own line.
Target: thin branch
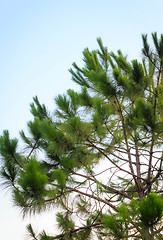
{"x": 69, "y": 190}
{"x": 34, "y": 146}
{"x": 105, "y": 155}
{"x": 126, "y": 141}
{"x": 94, "y": 197}
{"x": 79, "y": 229}
{"x": 86, "y": 227}
{"x": 141, "y": 194}
{"x": 159, "y": 172}
{"x": 106, "y": 187}
{"x": 16, "y": 161}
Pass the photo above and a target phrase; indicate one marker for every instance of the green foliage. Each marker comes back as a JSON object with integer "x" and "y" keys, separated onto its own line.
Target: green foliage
{"x": 38, "y": 110}
{"x": 33, "y": 180}
{"x": 115, "y": 226}
{"x": 60, "y": 177}
{"x": 145, "y": 115}
{"x": 44, "y": 236}
{"x": 98, "y": 157}
{"x": 31, "y": 232}
{"x": 151, "y": 209}
{"x": 66, "y": 225}
{"x": 11, "y": 159}
{"x": 7, "y": 146}
{"x": 32, "y": 187}
{"x": 145, "y": 214}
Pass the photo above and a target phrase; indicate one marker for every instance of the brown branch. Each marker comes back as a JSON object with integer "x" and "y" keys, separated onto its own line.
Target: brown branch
{"x": 94, "y": 197}
{"x": 150, "y": 59}
{"x": 150, "y": 165}
{"x": 34, "y": 146}
{"x": 141, "y": 193}
{"x": 69, "y": 190}
{"x": 104, "y": 186}
{"x": 86, "y": 227}
{"x": 126, "y": 141}
{"x": 122, "y": 193}
{"x": 105, "y": 155}
{"x": 158, "y": 173}
{"x": 13, "y": 156}
{"x": 152, "y": 144}
{"x": 79, "y": 229}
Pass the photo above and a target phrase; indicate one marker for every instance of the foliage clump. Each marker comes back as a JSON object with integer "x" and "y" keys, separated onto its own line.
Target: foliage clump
{"x": 98, "y": 157}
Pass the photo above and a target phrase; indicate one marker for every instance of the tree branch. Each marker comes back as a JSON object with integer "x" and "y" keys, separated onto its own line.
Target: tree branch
{"x": 106, "y": 187}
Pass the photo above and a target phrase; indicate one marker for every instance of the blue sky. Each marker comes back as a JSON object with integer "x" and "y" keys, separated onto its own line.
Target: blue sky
{"x": 39, "y": 42}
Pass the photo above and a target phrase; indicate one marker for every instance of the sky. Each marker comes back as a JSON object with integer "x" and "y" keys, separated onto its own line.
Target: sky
{"x": 39, "y": 42}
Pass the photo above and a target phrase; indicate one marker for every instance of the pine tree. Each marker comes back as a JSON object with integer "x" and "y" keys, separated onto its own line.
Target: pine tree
{"x": 101, "y": 150}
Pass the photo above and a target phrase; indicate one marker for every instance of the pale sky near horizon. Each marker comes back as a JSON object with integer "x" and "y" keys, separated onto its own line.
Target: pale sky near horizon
{"x": 39, "y": 42}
